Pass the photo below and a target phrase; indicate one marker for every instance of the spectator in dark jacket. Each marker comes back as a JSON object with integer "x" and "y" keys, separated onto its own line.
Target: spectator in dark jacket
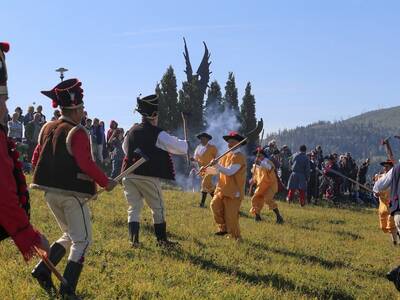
{"x": 300, "y": 175}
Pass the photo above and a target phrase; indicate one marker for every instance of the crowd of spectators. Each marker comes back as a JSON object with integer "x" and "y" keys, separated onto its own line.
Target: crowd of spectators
{"x": 106, "y": 147}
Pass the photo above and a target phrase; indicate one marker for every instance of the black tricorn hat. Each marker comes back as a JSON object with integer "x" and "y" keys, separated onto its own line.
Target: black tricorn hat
{"x": 204, "y": 134}
{"x": 147, "y": 106}
{"x": 388, "y": 162}
{"x": 66, "y": 94}
{"x": 234, "y": 135}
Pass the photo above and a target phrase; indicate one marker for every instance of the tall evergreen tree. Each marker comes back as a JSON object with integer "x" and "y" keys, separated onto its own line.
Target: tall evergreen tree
{"x": 231, "y": 100}
{"x": 214, "y": 102}
{"x": 248, "y": 114}
{"x": 168, "y": 102}
{"x": 191, "y": 104}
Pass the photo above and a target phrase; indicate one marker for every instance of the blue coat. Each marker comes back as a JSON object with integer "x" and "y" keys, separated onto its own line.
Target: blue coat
{"x": 300, "y": 172}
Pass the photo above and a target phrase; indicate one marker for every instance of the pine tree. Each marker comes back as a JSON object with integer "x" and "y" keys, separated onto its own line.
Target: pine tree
{"x": 248, "y": 115}
{"x": 231, "y": 100}
{"x": 191, "y": 104}
{"x": 214, "y": 102}
{"x": 168, "y": 102}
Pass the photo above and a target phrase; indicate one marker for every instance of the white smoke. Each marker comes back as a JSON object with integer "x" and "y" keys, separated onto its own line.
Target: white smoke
{"x": 218, "y": 125}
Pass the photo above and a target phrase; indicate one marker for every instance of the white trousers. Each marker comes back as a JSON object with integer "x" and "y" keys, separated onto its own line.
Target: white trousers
{"x": 137, "y": 188}
{"x": 74, "y": 221}
{"x": 397, "y": 220}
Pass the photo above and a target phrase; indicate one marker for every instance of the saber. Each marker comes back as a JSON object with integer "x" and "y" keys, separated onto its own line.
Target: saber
{"x": 50, "y": 265}
{"x": 132, "y": 168}
{"x": 256, "y": 130}
{"x": 349, "y": 179}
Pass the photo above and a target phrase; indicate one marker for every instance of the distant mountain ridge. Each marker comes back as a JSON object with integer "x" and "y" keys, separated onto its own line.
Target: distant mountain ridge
{"x": 361, "y": 135}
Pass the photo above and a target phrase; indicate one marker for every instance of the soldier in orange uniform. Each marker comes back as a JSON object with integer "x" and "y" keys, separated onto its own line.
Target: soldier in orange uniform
{"x": 230, "y": 189}
{"x": 386, "y": 221}
{"x": 204, "y": 154}
{"x": 264, "y": 177}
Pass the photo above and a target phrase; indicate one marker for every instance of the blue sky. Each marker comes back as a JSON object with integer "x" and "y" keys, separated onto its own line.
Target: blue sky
{"x": 307, "y": 60}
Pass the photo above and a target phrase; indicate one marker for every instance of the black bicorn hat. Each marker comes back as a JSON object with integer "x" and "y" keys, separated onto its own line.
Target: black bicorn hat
{"x": 147, "y": 106}
{"x": 204, "y": 134}
{"x": 67, "y": 94}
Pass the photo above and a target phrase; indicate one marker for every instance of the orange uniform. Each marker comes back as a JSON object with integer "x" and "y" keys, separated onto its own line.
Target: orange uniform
{"x": 229, "y": 193}
{"x": 267, "y": 186}
{"x": 386, "y": 221}
{"x": 204, "y": 155}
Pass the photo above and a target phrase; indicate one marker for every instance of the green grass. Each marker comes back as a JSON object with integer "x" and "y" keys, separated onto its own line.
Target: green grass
{"x": 320, "y": 252}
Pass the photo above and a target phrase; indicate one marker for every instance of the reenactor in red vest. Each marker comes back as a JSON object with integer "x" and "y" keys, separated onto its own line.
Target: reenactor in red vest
{"x": 65, "y": 170}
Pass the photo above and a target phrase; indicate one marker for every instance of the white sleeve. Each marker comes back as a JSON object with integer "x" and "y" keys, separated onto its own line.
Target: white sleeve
{"x": 266, "y": 164}
{"x": 125, "y": 144}
{"x": 384, "y": 182}
{"x": 229, "y": 171}
{"x": 171, "y": 144}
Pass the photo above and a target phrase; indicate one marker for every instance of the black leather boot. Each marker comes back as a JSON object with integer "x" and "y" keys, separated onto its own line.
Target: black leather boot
{"x": 160, "y": 231}
{"x": 203, "y": 199}
{"x": 257, "y": 218}
{"x": 43, "y": 274}
{"x": 134, "y": 233}
{"x": 279, "y": 218}
{"x": 71, "y": 274}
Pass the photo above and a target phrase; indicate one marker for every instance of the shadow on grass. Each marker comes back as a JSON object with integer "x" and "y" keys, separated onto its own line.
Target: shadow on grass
{"x": 274, "y": 280}
{"x": 305, "y": 258}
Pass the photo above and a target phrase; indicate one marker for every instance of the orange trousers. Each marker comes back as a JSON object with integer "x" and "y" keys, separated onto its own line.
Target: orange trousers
{"x": 226, "y": 214}
{"x": 207, "y": 185}
{"x": 259, "y": 199}
{"x": 386, "y": 222}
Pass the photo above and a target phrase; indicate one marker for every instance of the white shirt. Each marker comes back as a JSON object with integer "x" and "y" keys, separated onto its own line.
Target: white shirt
{"x": 384, "y": 182}
{"x": 200, "y": 149}
{"x": 231, "y": 170}
{"x": 165, "y": 142}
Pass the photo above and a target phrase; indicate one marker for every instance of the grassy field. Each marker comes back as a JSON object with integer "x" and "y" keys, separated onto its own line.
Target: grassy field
{"x": 320, "y": 252}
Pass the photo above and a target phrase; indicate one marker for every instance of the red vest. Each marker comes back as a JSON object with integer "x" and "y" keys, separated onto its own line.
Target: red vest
{"x": 56, "y": 169}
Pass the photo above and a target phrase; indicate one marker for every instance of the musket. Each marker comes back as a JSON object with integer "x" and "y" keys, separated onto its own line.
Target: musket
{"x": 348, "y": 178}
{"x": 256, "y": 130}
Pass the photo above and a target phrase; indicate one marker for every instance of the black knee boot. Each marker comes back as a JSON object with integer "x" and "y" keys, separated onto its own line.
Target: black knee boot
{"x": 203, "y": 199}
{"x": 160, "y": 231}
{"x": 134, "y": 233}
{"x": 279, "y": 219}
{"x": 43, "y": 274}
{"x": 71, "y": 274}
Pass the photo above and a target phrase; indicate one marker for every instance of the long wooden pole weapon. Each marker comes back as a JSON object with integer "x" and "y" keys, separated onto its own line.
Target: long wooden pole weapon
{"x": 185, "y": 133}
{"x": 255, "y": 160}
{"x": 50, "y": 265}
{"x": 136, "y": 165}
{"x": 258, "y": 128}
{"x": 349, "y": 179}
{"x": 388, "y": 149}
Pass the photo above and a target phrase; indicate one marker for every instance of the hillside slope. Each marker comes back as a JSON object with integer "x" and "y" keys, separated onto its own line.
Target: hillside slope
{"x": 319, "y": 253}
{"x": 360, "y": 135}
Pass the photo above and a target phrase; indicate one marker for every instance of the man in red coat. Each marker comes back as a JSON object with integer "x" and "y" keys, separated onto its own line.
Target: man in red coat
{"x": 14, "y": 221}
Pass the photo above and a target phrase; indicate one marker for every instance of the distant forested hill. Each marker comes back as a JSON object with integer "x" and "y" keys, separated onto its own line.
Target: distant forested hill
{"x": 360, "y": 135}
